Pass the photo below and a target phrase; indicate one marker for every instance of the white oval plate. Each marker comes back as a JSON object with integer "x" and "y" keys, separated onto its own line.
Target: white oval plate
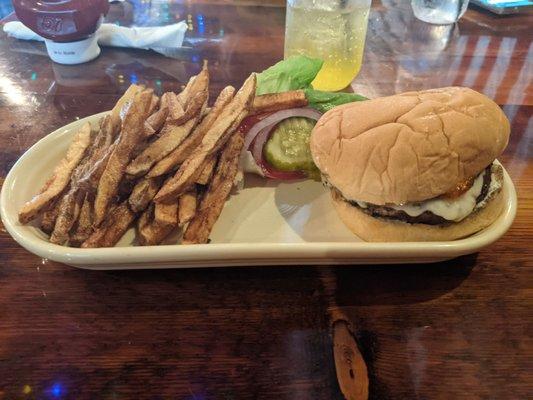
{"x": 266, "y": 223}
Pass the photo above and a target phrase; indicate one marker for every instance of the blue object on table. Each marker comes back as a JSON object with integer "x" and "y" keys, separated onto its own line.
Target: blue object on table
{"x": 505, "y": 6}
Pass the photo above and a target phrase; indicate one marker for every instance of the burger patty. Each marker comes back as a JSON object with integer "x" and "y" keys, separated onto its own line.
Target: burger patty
{"x": 427, "y": 217}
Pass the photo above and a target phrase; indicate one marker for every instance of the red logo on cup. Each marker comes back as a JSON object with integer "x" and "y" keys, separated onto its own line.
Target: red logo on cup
{"x": 51, "y": 24}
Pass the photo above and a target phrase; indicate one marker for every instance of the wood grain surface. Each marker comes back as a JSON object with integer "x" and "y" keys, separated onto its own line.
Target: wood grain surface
{"x": 460, "y": 329}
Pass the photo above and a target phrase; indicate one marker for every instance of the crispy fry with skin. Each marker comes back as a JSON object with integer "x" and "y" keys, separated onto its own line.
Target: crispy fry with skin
{"x": 112, "y": 229}
{"x": 171, "y": 136}
{"x": 232, "y": 115}
{"x": 84, "y": 226}
{"x": 69, "y": 210}
{"x": 176, "y": 110}
{"x": 164, "y": 99}
{"x": 71, "y": 203}
{"x": 122, "y": 105}
{"x": 131, "y": 135}
{"x": 279, "y": 101}
{"x": 153, "y": 234}
{"x": 92, "y": 176}
{"x": 104, "y": 137}
{"x": 48, "y": 219}
{"x": 184, "y": 94}
{"x": 147, "y": 217}
{"x": 156, "y": 121}
{"x": 207, "y": 171}
{"x": 143, "y": 192}
{"x": 178, "y": 126}
{"x": 200, "y": 226}
{"x": 180, "y": 154}
{"x": 187, "y": 203}
{"x": 166, "y": 214}
{"x": 154, "y": 103}
{"x": 196, "y": 84}
{"x": 152, "y": 231}
{"x": 60, "y": 177}
{"x": 194, "y": 108}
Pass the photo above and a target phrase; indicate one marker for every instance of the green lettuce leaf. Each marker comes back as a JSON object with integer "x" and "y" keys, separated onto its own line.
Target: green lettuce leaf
{"x": 298, "y": 72}
{"x": 325, "y": 101}
{"x": 294, "y": 73}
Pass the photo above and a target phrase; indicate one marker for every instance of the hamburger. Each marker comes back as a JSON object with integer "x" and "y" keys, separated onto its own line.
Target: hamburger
{"x": 417, "y": 166}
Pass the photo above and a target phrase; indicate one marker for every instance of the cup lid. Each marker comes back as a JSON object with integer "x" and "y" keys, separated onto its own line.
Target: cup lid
{"x": 61, "y": 20}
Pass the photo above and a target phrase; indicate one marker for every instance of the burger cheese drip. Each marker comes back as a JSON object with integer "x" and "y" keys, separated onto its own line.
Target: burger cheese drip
{"x": 453, "y": 206}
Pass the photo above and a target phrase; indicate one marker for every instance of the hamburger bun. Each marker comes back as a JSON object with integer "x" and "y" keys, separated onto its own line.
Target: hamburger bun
{"x": 409, "y": 147}
{"x": 374, "y": 229}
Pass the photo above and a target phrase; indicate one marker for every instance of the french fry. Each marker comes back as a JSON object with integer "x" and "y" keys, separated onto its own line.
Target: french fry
{"x": 154, "y": 103}
{"x": 122, "y": 105}
{"x": 71, "y": 203}
{"x": 171, "y": 136}
{"x": 175, "y": 109}
{"x": 105, "y": 136}
{"x": 69, "y": 210}
{"x": 147, "y": 217}
{"x": 102, "y": 194}
{"x": 180, "y": 154}
{"x": 194, "y": 108}
{"x": 179, "y": 124}
{"x": 131, "y": 135}
{"x": 166, "y": 214}
{"x": 143, "y": 193}
{"x": 230, "y": 117}
{"x": 187, "y": 203}
{"x": 84, "y": 226}
{"x": 91, "y": 177}
{"x": 279, "y": 101}
{"x": 116, "y": 223}
{"x": 184, "y": 94}
{"x": 155, "y": 121}
{"x": 156, "y": 223}
{"x": 207, "y": 171}
{"x": 60, "y": 177}
{"x": 195, "y": 85}
{"x": 152, "y": 234}
{"x": 165, "y": 99}
{"x": 48, "y": 218}
{"x": 213, "y": 201}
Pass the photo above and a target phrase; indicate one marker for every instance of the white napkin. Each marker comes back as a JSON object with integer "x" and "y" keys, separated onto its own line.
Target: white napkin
{"x": 159, "y": 38}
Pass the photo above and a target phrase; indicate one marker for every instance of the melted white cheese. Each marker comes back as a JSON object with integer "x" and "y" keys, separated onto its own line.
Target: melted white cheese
{"x": 451, "y": 209}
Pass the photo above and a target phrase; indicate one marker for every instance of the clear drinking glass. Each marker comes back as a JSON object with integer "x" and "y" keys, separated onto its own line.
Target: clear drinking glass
{"x": 332, "y": 30}
{"x": 439, "y": 12}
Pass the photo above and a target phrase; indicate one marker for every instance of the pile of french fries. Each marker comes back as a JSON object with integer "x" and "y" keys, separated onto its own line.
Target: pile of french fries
{"x": 165, "y": 164}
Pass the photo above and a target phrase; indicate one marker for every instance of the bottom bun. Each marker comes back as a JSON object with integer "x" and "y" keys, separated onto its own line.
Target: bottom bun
{"x": 372, "y": 229}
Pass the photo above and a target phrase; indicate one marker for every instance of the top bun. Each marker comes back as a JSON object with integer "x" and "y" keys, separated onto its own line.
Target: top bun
{"x": 408, "y": 147}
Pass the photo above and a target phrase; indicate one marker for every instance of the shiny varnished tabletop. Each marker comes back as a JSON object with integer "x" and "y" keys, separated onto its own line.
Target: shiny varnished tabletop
{"x": 454, "y": 330}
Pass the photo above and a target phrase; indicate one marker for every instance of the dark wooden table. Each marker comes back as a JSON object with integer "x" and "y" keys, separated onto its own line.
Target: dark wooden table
{"x": 454, "y": 330}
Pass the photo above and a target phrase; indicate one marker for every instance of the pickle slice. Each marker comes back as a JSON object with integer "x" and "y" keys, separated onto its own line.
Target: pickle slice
{"x": 287, "y": 149}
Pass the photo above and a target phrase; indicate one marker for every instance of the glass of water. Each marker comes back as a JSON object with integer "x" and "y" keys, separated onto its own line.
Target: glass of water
{"x": 439, "y": 12}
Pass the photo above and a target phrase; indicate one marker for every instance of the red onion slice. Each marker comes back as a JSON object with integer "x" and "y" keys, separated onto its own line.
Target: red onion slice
{"x": 258, "y": 129}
